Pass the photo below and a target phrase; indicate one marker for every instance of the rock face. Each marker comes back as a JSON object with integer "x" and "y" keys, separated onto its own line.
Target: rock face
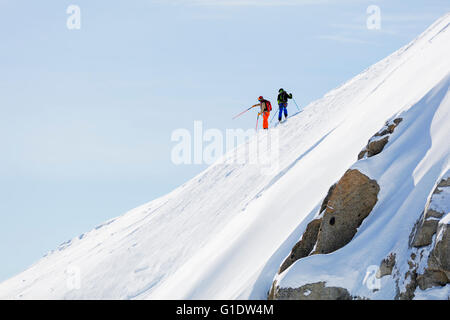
{"x": 386, "y": 266}
{"x": 313, "y": 291}
{"x": 425, "y": 232}
{"x": 346, "y": 205}
{"x": 440, "y": 256}
{"x": 350, "y": 203}
{"x": 431, "y": 278}
{"x": 375, "y": 146}
{"x": 327, "y": 198}
{"x": 304, "y": 247}
{"x": 431, "y": 244}
{"x": 437, "y": 272}
{"x": 306, "y": 244}
{"x": 377, "y": 143}
{"x": 428, "y": 224}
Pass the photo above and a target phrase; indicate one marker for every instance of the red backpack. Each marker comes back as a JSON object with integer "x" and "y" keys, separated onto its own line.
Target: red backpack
{"x": 268, "y": 105}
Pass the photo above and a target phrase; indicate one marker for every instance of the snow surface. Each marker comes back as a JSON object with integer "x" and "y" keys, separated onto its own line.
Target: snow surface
{"x": 224, "y": 233}
{"x": 437, "y": 293}
{"x": 439, "y": 201}
{"x": 445, "y": 219}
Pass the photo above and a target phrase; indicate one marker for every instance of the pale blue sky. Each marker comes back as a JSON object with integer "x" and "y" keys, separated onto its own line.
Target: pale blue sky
{"x": 86, "y": 115}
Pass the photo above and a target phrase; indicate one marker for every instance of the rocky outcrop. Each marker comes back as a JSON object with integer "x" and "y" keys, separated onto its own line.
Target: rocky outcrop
{"x": 377, "y": 143}
{"x": 350, "y": 203}
{"x": 437, "y": 273}
{"x": 346, "y": 205}
{"x": 431, "y": 278}
{"x": 425, "y": 232}
{"x": 327, "y": 198}
{"x": 306, "y": 244}
{"x": 410, "y": 287}
{"x": 312, "y": 291}
{"x": 304, "y": 247}
{"x": 430, "y": 242}
{"x": 440, "y": 256}
{"x": 428, "y": 224}
{"x": 386, "y": 266}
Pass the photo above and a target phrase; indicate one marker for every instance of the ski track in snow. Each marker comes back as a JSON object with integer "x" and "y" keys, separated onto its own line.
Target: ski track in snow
{"x": 224, "y": 233}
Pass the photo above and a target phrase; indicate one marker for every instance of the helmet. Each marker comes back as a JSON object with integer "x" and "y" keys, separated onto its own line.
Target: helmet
{"x": 260, "y": 98}
{"x": 281, "y": 89}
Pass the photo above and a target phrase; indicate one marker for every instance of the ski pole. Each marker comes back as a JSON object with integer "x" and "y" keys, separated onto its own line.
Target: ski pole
{"x": 257, "y": 118}
{"x": 274, "y": 114}
{"x": 296, "y": 104}
{"x": 242, "y": 113}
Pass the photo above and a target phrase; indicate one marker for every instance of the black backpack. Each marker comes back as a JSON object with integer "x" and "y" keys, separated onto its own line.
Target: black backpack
{"x": 282, "y": 97}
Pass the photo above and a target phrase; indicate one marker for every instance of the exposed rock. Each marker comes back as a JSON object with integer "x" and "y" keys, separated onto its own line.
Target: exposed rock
{"x": 439, "y": 259}
{"x": 273, "y": 289}
{"x": 382, "y": 133}
{"x": 397, "y": 121}
{"x": 428, "y": 223}
{"x": 431, "y": 237}
{"x": 386, "y": 266}
{"x": 410, "y": 287}
{"x": 327, "y": 198}
{"x": 304, "y": 246}
{"x": 312, "y": 291}
{"x": 362, "y": 153}
{"x": 346, "y": 205}
{"x": 433, "y": 213}
{"x": 410, "y": 281}
{"x": 431, "y": 278}
{"x": 375, "y": 144}
{"x": 444, "y": 182}
{"x": 350, "y": 203}
{"x": 437, "y": 272}
{"x": 309, "y": 238}
{"x": 425, "y": 232}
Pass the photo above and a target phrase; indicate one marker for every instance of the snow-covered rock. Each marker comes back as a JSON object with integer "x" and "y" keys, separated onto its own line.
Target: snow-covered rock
{"x": 431, "y": 239}
{"x": 386, "y": 266}
{"x": 379, "y": 140}
{"x": 437, "y": 207}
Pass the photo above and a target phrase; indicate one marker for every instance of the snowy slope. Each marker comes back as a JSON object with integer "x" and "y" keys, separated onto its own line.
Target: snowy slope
{"x": 224, "y": 233}
{"x": 415, "y": 159}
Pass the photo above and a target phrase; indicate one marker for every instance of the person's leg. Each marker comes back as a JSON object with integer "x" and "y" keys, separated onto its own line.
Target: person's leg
{"x": 266, "y": 120}
{"x": 285, "y": 111}
{"x": 280, "y": 111}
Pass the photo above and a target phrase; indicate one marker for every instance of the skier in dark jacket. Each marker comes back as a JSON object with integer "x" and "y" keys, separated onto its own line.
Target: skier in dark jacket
{"x": 283, "y": 97}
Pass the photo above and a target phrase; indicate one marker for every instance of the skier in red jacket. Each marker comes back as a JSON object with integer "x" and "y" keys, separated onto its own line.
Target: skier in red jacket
{"x": 266, "y": 107}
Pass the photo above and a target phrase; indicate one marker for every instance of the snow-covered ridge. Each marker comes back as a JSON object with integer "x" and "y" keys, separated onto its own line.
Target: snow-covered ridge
{"x": 224, "y": 233}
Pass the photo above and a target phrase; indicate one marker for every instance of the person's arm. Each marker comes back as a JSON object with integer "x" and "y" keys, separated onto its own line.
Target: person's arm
{"x": 290, "y": 95}
{"x": 257, "y": 105}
